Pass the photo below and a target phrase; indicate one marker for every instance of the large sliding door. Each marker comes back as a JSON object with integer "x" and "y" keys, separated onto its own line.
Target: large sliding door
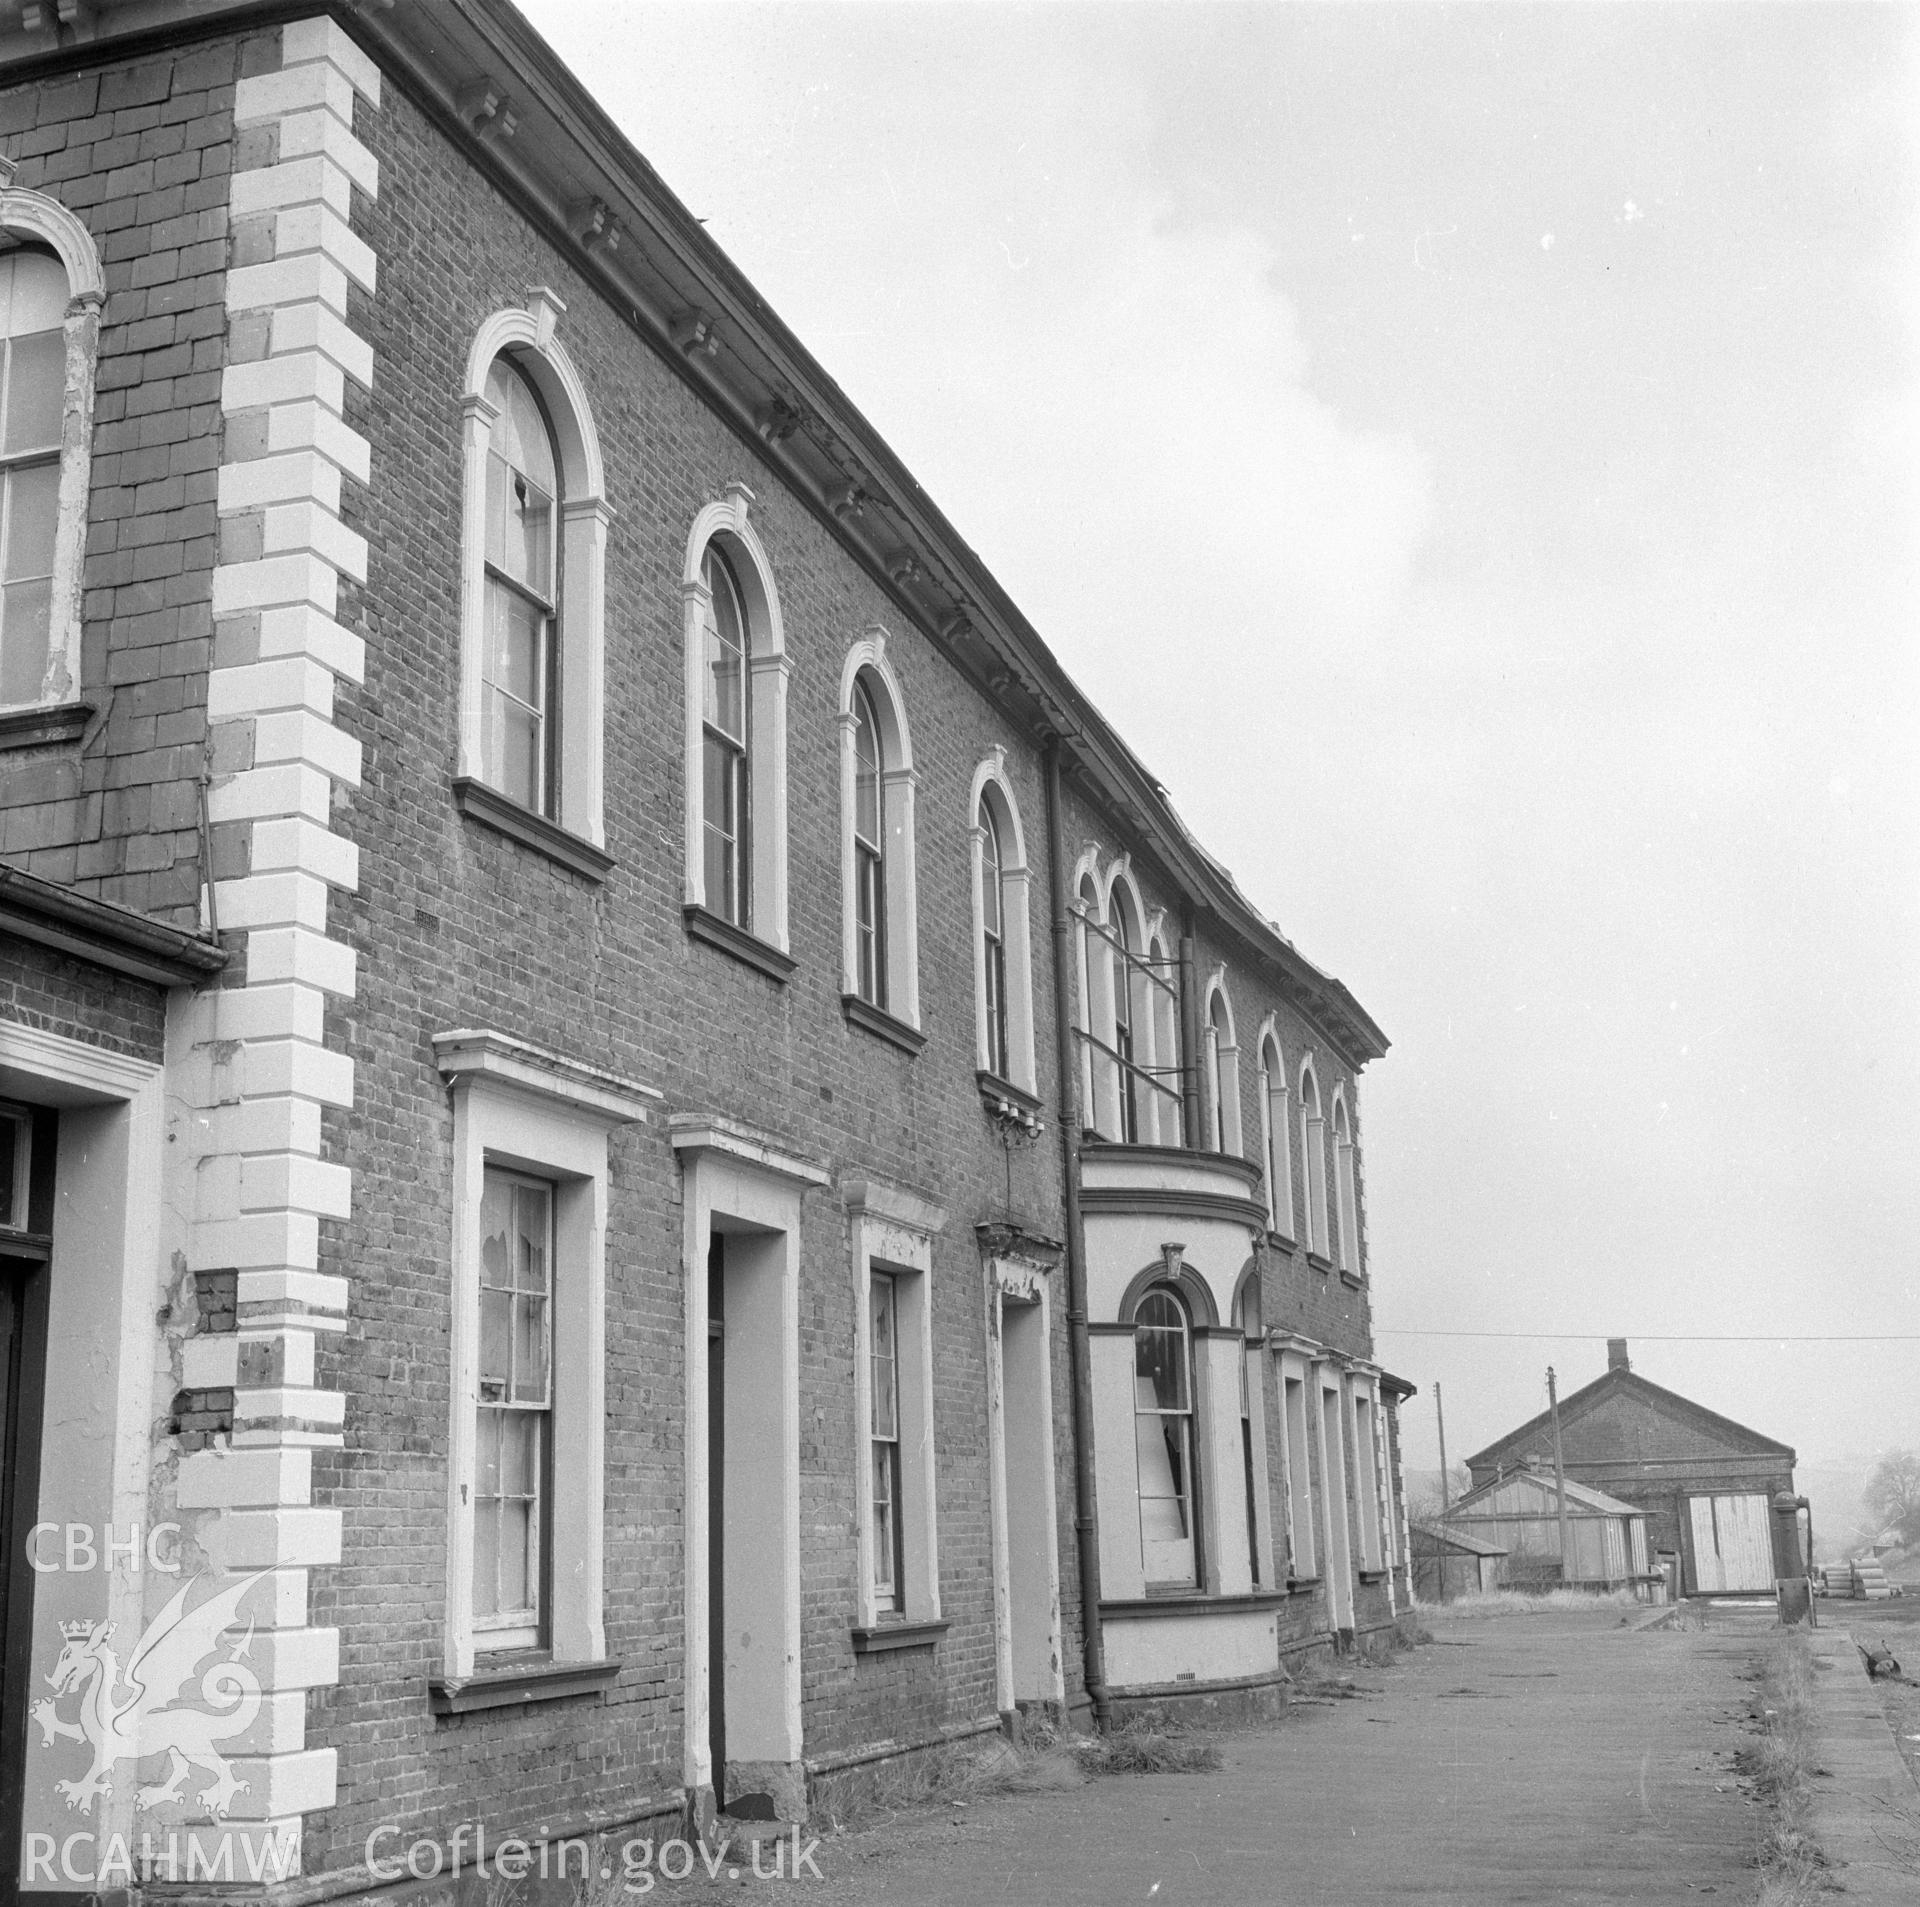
{"x": 1732, "y": 1544}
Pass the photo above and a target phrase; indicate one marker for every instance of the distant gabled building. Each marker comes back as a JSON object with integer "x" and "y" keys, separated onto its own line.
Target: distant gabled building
{"x": 1706, "y": 1482}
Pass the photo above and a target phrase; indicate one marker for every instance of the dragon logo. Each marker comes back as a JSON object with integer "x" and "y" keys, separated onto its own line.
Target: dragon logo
{"x": 162, "y": 1703}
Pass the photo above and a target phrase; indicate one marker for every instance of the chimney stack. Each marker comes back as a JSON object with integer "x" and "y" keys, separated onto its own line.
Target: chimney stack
{"x": 1617, "y": 1355}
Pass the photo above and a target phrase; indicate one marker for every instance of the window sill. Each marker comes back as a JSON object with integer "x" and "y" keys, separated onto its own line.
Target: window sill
{"x": 44, "y": 727}
{"x": 1007, "y": 1103}
{"x": 1319, "y": 1263}
{"x": 883, "y": 1637}
{"x": 1373, "y": 1575}
{"x": 882, "y": 1025}
{"x": 1279, "y": 1241}
{"x": 1188, "y": 1602}
{"x": 520, "y": 1685}
{"x": 1302, "y": 1585}
{"x": 502, "y": 813}
{"x": 1352, "y": 1280}
{"x": 749, "y": 949}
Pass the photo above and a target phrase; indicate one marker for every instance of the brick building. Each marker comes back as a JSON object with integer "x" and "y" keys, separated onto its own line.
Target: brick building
{"x": 1706, "y": 1483}
{"x": 644, "y": 1166}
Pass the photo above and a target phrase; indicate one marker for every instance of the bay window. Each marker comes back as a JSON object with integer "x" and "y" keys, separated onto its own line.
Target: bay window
{"x": 1163, "y": 1439}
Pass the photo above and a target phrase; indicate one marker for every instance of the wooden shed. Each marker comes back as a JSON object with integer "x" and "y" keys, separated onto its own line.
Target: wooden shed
{"x": 1449, "y": 1563}
{"x": 1520, "y": 1513}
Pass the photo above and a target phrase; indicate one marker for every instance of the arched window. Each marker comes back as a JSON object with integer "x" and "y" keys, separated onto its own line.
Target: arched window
{"x": 1161, "y": 999}
{"x": 1278, "y": 1146}
{"x": 1346, "y": 1196}
{"x": 736, "y": 740}
{"x": 1313, "y": 1159}
{"x": 869, "y": 853}
{"x": 726, "y": 727}
{"x": 51, "y": 293}
{"x": 1003, "y": 992}
{"x": 1223, "y": 1075}
{"x": 993, "y": 942}
{"x": 1132, "y": 1023}
{"x": 33, "y": 303}
{"x": 880, "y": 969}
{"x": 519, "y": 669}
{"x": 1163, "y": 1439}
{"x": 1099, "y": 1089}
{"x": 532, "y": 600}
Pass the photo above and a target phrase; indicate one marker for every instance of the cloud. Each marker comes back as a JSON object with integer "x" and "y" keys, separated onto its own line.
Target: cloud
{"x": 1114, "y": 408}
{"x": 1154, "y": 402}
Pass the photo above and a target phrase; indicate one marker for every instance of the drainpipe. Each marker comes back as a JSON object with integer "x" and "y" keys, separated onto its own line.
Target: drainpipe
{"x": 1195, "y": 1113}
{"x": 1086, "y": 1521}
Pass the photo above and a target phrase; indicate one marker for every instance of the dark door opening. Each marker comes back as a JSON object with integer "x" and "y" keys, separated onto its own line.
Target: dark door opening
{"x": 716, "y": 1514}
{"x": 27, "y": 1138}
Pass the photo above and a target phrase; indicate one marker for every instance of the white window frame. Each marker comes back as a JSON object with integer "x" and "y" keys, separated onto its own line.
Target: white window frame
{"x": 891, "y": 1230}
{"x": 899, "y": 891}
{"x": 34, "y": 218}
{"x": 536, "y": 1113}
{"x": 1198, "y": 1442}
{"x": 1346, "y": 1190}
{"x": 526, "y": 336}
{"x": 1276, "y": 1132}
{"x": 1169, "y": 1108}
{"x": 991, "y": 787}
{"x": 767, "y": 670}
{"x": 1299, "y": 1401}
{"x": 1099, "y": 1091}
{"x": 524, "y": 1628}
{"x": 1313, "y": 1158}
{"x": 1223, "y": 1070}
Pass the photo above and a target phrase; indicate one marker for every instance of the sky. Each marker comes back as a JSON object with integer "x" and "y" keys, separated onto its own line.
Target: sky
{"x": 1469, "y": 452}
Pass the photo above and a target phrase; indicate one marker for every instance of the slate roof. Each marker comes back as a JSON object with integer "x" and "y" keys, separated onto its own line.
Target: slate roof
{"x": 1582, "y": 1498}
{"x": 1614, "y": 1383}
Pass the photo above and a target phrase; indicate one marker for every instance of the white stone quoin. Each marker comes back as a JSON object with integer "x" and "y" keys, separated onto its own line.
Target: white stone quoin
{"x": 257, "y": 1070}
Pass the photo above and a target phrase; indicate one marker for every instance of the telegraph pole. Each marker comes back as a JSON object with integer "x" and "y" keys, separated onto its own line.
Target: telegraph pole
{"x": 1560, "y": 1481}
{"x": 1440, "y": 1418}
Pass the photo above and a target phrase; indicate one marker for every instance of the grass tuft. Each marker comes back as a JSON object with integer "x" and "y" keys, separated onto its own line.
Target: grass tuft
{"x": 1047, "y": 1762}
{"x": 1147, "y": 1748}
{"x": 1777, "y": 1767}
{"x": 1514, "y": 1602}
{"x": 949, "y": 1778}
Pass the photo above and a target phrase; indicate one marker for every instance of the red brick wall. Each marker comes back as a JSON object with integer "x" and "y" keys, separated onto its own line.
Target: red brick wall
{"x": 458, "y": 926}
{"x": 79, "y": 1001}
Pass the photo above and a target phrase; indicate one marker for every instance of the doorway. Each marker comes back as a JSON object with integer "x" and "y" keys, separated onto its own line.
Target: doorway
{"x": 716, "y": 1511}
{"x": 27, "y": 1140}
{"x": 749, "y": 1727}
{"x": 1339, "y": 1562}
{"x": 1033, "y": 1616}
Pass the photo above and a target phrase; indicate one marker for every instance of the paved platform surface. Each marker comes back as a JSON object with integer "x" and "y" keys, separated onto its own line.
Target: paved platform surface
{"x": 1866, "y": 1809}
{"x": 1526, "y": 1759}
